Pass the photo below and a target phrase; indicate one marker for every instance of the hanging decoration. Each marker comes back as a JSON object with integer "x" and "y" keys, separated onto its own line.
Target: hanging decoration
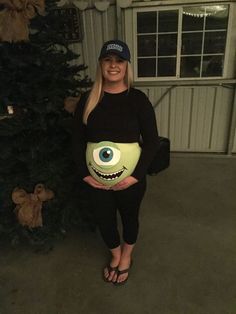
{"x": 71, "y": 25}
{"x": 124, "y": 3}
{"x": 219, "y": 11}
{"x": 15, "y": 16}
{"x": 70, "y": 103}
{"x": 28, "y": 208}
{"x": 80, "y": 4}
{"x": 101, "y": 5}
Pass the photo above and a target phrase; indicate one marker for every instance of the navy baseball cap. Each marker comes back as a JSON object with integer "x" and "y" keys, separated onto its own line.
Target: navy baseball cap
{"x": 116, "y": 47}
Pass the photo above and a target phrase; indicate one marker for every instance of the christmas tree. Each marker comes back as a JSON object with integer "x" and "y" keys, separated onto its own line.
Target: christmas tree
{"x": 36, "y": 77}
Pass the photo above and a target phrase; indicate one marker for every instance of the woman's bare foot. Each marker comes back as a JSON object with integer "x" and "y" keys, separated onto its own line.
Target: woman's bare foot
{"x": 122, "y": 273}
{"x": 111, "y": 269}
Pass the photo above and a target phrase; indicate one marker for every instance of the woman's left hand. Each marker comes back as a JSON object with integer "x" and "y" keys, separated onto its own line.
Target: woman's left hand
{"x": 124, "y": 184}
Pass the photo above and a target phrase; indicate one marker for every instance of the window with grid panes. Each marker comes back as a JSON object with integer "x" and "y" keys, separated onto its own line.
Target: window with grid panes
{"x": 185, "y": 42}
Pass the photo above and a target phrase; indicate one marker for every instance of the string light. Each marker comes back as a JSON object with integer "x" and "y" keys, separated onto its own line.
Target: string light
{"x": 203, "y": 11}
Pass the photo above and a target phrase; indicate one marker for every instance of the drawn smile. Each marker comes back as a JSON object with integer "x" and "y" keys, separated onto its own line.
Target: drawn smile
{"x": 108, "y": 176}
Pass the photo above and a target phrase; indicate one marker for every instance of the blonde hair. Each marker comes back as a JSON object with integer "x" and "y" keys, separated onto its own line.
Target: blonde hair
{"x": 96, "y": 92}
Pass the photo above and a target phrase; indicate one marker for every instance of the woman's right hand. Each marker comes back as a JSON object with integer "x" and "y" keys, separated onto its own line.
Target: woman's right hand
{"x": 95, "y": 184}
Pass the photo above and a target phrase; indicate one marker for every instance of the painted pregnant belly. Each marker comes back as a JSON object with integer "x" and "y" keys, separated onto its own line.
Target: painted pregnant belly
{"x": 110, "y": 162}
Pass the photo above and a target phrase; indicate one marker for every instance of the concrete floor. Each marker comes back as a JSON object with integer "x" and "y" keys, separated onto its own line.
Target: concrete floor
{"x": 184, "y": 262}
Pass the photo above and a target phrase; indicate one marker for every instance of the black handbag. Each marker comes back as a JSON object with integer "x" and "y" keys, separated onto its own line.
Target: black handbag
{"x": 161, "y": 160}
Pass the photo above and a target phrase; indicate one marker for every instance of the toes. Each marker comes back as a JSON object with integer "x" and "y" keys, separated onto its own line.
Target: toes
{"x": 109, "y": 274}
{"x": 122, "y": 278}
{"x": 114, "y": 278}
{"x": 106, "y": 273}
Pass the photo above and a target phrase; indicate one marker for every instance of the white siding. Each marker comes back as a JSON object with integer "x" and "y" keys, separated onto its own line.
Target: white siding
{"x": 97, "y": 27}
{"x": 233, "y": 128}
{"x": 234, "y": 146}
{"x": 196, "y": 119}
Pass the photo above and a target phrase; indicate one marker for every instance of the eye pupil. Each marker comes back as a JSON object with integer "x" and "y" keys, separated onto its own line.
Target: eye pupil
{"x": 106, "y": 154}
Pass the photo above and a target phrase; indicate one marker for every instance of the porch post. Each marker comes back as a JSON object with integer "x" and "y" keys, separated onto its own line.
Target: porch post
{"x": 232, "y": 126}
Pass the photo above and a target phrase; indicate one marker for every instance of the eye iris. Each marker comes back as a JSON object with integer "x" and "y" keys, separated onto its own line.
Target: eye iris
{"x": 106, "y": 154}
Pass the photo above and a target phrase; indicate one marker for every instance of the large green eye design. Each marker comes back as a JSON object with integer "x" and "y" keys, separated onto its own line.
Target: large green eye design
{"x": 106, "y": 156}
{"x": 110, "y": 162}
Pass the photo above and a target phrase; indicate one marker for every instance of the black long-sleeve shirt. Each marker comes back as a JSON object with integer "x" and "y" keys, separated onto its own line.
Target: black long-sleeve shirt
{"x": 121, "y": 118}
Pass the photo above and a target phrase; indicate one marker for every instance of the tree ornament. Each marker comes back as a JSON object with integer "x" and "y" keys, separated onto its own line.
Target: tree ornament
{"x": 70, "y": 103}
{"x": 15, "y": 17}
{"x": 28, "y": 208}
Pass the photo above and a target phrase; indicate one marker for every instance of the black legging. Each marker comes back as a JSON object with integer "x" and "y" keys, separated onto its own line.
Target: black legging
{"x": 105, "y": 205}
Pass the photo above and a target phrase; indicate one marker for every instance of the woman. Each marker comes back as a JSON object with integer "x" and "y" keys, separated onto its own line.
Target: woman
{"x": 114, "y": 111}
